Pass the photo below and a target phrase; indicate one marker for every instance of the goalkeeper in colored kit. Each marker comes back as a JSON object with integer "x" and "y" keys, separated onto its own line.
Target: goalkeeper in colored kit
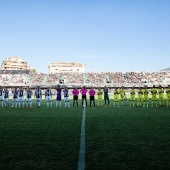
{"x": 146, "y": 96}
{"x": 122, "y": 95}
{"x": 106, "y": 96}
{"x": 132, "y": 97}
{"x": 161, "y": 96}
{"x": 168, "y": 96}
{"x": 154, "y": 96}
{"x": 116, "y": 97}
{"x": 140, "y": 97}
{"x": 99, "y": 93}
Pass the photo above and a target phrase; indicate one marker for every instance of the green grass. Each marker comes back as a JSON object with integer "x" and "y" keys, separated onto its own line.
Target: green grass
{"x": 116, "y": 138}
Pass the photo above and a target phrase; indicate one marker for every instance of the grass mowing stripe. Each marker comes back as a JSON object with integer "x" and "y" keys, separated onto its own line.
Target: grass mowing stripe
{"x": 81, "y": 161}
{"x": 40, "y": 138}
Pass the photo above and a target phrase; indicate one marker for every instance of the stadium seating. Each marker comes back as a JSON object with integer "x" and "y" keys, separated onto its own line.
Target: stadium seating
{"x": 88, "y": 78}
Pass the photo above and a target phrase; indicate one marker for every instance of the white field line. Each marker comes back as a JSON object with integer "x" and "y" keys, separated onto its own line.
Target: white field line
{"x": 81, "y": 161}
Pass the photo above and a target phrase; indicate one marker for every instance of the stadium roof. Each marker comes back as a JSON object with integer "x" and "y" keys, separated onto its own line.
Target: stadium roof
{"x": 67, "y": 64}
{"x": 167, "y": 69}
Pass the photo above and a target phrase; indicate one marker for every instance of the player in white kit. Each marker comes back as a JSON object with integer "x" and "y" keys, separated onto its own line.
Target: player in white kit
{"x": 1, "y": 97}
{"x": 6, "y": 97}
{"x": 29, "y": 99}
{"x": 21, "y": 96}
{"x": 15, "y": 97}
{"x": 38, "y": 95}
{"x": 48, "y": 96}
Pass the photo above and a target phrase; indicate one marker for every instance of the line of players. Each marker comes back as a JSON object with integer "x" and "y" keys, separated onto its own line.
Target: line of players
{"x": 157, "y": 96}
{"x": 18, "y": 97}
{"x": 119, "y": 95}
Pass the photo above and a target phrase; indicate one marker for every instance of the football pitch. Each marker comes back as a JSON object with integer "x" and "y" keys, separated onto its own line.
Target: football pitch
{"x": 115, "y": 137}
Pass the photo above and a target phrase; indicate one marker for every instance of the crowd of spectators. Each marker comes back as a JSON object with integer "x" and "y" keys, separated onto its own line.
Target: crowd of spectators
{"x": 90, "y": 78}
{"x": 37, "y": 79}
{"x": 65, "y": 78}
{"x": 4, "y": 79}
{"x": 19, "y": 79}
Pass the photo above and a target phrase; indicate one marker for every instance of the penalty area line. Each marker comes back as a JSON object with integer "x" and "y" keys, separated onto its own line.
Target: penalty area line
{"x": 81, "y": 161}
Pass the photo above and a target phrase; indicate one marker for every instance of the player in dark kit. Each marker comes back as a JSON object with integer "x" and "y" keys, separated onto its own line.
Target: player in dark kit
{"x": 58, "y": 96}
{"x": 66, "y": 97}
{"x": 106, "y": 96}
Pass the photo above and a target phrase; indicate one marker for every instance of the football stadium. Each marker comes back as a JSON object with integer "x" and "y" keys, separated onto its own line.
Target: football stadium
{"x": 74, "y": 119}
{"x": 85, "y": 85}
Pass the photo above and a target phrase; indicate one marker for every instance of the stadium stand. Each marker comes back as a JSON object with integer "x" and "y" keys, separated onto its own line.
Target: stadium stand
{"x": 111, "y": 79}
{"x": 37, "y": 79}
{"x": 19, "y": 79}
{"x": 16, "y": 72}
{"x": 5, "y": 79}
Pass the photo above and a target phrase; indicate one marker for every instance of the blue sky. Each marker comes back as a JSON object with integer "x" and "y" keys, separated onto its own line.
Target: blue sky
{"x": 106, "y": 35}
